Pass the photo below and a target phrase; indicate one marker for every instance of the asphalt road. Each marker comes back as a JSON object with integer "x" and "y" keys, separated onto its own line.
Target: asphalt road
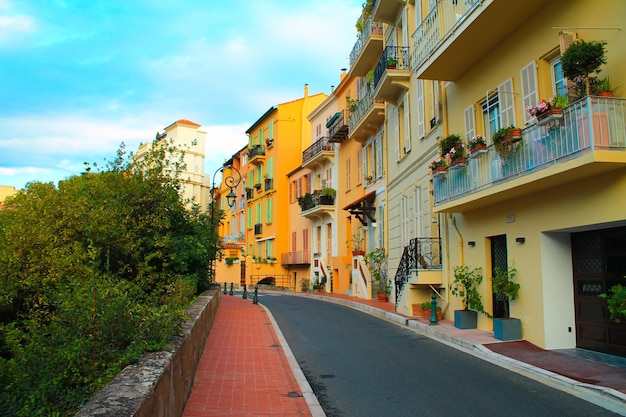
{"x": 360, "y": 366}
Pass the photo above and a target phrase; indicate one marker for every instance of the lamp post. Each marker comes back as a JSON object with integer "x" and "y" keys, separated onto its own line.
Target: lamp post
{"x": 232, "y": 181}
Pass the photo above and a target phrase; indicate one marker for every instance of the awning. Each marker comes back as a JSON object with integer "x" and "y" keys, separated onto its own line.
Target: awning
{"x": 362, "y": 208}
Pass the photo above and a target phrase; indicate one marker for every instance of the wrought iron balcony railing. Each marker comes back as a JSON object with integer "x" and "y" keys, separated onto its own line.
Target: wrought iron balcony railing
{"x": 421, "y": 253}
{"x": 256, "y": 150}
{"x": 393, "y": 58}
{"x": 320, "y": 145}
{"x": 592, "y": 123}
{"x": 338, "y": 127}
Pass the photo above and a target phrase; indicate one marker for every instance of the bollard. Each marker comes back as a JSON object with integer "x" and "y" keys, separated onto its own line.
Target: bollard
{"x": 245, "y": 292}
{"x": 434, "y": 320}
{"x": 231, "y": 289}
{"x": 224, "y": 288}
{"x": 255, "y": 297}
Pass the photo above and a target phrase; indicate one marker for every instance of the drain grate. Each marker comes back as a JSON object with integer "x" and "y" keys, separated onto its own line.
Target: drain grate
{"x": 294, "y": 394}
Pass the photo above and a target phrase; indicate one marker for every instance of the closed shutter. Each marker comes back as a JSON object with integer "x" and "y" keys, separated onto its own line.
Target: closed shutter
{"x": 268, "y": 210}
{"x": 528, "y": 77}
{"x": 407, "y": 125}
{"x": 507, "y": 103}
{"x": 419, "y": 108}
{"x": 470, "y": 122}
{"x": 270, "y": 167}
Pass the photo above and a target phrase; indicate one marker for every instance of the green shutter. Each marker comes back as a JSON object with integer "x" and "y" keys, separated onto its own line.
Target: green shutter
{"x": 268, "y": 248}
{"x": 249, "y": 219}
{"x": 259, "y": 173}
{"x": 261, "y": 136}
{"x": 250, "y": 179}
{"x": 258, "y": 213}
{"x": 270, "y": 134}
{"x": 270, "y": 167}
{"x": 268, "y": 210}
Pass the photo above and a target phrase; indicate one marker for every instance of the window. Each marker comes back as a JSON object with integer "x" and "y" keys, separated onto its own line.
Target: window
{"x": 380, "y": 224}
{"x": 268, "y": 248}
{"x": 559, "y": 82}
{"x": 359, "y": 167}
{"x": 268, "y": 210}
{"x": 395, "y": 133}
{"x": 378, "y": 143}
{"x": 407, "y": 125}
{"x": 498, "y": 110}
{"x": 348, "y": 173}
{"x": 418, "y": 212}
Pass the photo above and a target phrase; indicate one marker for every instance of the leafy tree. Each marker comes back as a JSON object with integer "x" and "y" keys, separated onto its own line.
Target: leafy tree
{"x": 93, "y": 274}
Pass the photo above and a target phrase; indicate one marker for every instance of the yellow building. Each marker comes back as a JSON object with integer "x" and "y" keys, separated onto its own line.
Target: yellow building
{"x": 6, "y": 191}
{"x": 187, "y": 136}
{"x": 554, "y": 206}
{"x": 276, "y": 141}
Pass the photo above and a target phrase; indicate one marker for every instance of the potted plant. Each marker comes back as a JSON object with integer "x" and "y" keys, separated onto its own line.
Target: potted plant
{"x": 453, "y": 150}
{"x": 306, "y": 201}
{"x": 370, "y": 78}
{"x": 581, "y": 62}
{"x": 427, "y": 311}
{"x": 377, "y": 260}
{"x": 504, "y": 140}
{"x": 604, "y": 88}
{"x": 506, "y": 290}
{"x": 351, "y": 104}
{"x": 477, "y": 145}
{"x": 437, "y": 166}
{"x": 616, "y": 302}
{"x": 465, "y": 286}
{"x": 392, "y": 63}
{"x": 328, "y": 195}
{"x": 357, "y": 245}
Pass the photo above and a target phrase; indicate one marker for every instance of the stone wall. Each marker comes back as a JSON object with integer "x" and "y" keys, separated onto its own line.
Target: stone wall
{"x": 160, "y": 383}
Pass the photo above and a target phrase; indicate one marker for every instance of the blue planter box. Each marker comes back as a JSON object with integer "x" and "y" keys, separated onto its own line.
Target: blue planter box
{"x": 465, "y": 319}
{"x": 507, "y": 329}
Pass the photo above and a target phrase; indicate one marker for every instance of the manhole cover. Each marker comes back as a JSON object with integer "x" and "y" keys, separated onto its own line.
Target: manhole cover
{"x": 294, "y": 394}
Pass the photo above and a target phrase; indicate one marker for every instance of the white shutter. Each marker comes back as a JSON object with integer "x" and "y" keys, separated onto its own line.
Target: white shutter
{"x": 528, "y": 77}
{"x": 470, "y": 123}
{"x": 419, "y": 108}
{"x": 379, "y": 155}
{"x": 407, "y": 125}
{"x": 395, "y": 137}
{"x": 506, "y": 100}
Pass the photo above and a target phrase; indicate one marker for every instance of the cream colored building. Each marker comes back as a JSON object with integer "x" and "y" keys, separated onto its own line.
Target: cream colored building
{"x": 187, "y": 136}
{"x": 555, "y": 207}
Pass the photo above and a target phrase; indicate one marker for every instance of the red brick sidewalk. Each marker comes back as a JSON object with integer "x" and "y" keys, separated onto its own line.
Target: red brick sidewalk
{"x": 244, "y": 370}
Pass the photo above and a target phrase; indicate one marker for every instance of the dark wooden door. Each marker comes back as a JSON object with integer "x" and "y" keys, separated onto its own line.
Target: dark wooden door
{"x": 499, "y": 259}
{"x": 599, "y": 262}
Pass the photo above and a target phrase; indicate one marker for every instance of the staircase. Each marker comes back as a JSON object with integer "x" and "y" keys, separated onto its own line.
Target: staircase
{"x": 421, "y": 253}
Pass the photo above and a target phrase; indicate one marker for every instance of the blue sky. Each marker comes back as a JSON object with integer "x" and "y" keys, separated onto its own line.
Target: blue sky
{"x": 78, "y": 77}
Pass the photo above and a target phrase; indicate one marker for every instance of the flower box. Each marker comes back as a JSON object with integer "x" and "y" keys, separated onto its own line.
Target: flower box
{"x": 551, "y": 115}
{"x": 479, "y": 149}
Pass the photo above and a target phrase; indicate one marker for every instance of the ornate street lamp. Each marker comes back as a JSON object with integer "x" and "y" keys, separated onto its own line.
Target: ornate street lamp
{"x": 231, "y": 181}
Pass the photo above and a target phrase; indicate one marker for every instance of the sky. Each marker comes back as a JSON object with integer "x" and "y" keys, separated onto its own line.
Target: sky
{"x": 78, "y": 78}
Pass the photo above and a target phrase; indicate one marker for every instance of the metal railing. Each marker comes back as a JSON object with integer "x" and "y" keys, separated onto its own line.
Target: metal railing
{"x": 339, "y": 125}
{"x": 296, "y": 258}
{"x": 256, "y": 150}
{"x": 421, "y": 253}
{"x": 393, "y": 57}
{"x": 369, "y": 28}
{"x": 592, "y": 123}
{"x": 364, "y": 106}
{"x": 258, "y": 228}
{"x": 271, "y": 280}
{"x": 320, "y": 145}
{"x": 442, "y": 20}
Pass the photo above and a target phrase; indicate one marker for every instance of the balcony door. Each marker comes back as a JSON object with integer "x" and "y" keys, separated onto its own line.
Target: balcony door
{"x": 499, "y": 259}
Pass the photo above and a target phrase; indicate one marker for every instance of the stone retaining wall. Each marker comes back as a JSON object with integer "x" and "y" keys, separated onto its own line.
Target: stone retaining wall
{"x": 160, "y": 383}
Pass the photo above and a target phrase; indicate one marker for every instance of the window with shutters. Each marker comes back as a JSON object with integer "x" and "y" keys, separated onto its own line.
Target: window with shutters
{"x": 419, "y": 108}
{"x": 268, "y": 210}
{"x": 559, "y": 82}
{"x": 359, "y": 167}
{"x": 395, "y": 131}
{"x": 404, "y": 220}
{"x": 406, "y": 133}
{"x": 499, "y": 109}
{"x": 470, "y": 122}
{"x": 378, "y": 144}
{"x": 528, "y": 77}
{"x": 348, "y": 176}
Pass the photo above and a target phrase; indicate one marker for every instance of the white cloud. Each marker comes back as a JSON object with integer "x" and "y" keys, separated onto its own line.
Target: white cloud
{"x": 11, "y": 27}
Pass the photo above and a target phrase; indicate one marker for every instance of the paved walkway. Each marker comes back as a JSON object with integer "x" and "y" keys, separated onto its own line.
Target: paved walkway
{"x": 245, "y": 371}
{"x": 272, "y": 384}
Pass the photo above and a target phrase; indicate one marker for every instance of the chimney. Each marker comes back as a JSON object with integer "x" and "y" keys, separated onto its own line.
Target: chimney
{"x": 306, "y": 90}
{"x": 344, "y": 72}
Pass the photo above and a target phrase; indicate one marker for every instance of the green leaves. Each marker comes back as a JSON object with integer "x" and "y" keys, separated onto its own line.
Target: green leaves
{"x": 93, "y": 274}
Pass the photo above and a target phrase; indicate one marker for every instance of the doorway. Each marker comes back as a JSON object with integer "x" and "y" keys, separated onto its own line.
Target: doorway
{"x": 499, "y": 259}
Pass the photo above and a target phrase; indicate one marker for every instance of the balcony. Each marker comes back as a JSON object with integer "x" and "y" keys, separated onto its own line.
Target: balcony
{"x": 316, "y": 205}
{"x": 392, "y": 74}
{"x": 258, "y": 229}
{"x": 456, "y": 35}
{"x": 338, "y": 127}
{"x": 269, "y": 184}
{"x": 588, "y": 141}
{"x": 295, "y": 258}
{"x": 367, "y": 118}
{"x": 256, "y": 155}
{"x": 387, "y": 11}
{"x": 367, "y": 49}
{"x": 322, "y": 150}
